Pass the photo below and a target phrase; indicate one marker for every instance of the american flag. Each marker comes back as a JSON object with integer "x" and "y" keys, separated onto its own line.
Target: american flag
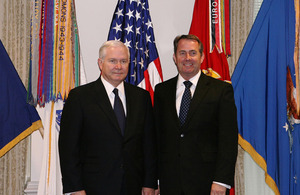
{"x": 132, "y": 25}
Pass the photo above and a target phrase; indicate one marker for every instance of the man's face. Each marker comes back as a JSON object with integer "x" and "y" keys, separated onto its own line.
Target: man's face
{"x": 114, "y": 66}
{"x": 188, "y": 58}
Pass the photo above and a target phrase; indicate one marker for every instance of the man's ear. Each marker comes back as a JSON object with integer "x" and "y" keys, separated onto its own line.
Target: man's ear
{"x": 174, "y": 59}
{"x": 100, "y": 62}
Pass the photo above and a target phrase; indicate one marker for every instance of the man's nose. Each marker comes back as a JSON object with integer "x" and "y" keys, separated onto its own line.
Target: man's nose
{"x": 188, "y": 56}
{"x": 118, "y": 65}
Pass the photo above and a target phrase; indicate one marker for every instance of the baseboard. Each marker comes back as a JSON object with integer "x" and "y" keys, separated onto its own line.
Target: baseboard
{"x": 31, "y": 188}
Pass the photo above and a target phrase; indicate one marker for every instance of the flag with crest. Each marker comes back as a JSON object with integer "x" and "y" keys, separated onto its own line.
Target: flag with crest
{"x": 266, "y": 87}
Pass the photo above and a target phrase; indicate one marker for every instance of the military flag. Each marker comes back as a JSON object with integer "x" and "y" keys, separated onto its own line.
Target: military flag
{"x": 55, "y": 69}
{"x": 211, "y": 25}
{"x": 266, "y": 86}
{"x": 18, "y": 119}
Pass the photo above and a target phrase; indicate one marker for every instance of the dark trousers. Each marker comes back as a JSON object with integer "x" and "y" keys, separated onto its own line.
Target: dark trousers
{"x": 123, "y": 188}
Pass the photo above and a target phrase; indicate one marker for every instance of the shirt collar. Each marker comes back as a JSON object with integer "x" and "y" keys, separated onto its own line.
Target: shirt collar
{"x": 109, "y": 87}
{"x": 194, "y": 79}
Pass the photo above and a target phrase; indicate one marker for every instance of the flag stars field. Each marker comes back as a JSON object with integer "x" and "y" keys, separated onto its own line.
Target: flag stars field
{"x": 148, "y": 38}
{"x": 128, "y": 29}
{"x": 137, "y": 31}
{"x": 117, "y": 28}
{"x": 119, "y": 12}
{"x": 137, "y": 16}
{"x": 127, "y": 43}
{"x": 149, "y": 24}
{"x": 132, "y": 25}
{"x": 130, "y": 14}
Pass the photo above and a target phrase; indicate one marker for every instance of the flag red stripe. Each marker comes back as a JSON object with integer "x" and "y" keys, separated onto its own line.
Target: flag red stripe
{"x": 158, "y": 67}
{"x": 148, "y": 85}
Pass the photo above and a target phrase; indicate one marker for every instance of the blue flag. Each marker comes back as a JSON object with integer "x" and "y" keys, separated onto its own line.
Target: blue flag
{"x": 267, "y": 130}
{"x": 18, "y": 119}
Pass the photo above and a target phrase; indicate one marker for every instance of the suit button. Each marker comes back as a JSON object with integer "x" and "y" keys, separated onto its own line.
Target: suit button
{"x": 121, "y": 166}
{"x": 182, "y": 135}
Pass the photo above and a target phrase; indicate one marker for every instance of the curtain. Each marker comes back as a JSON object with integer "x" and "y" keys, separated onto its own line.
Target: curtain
{"x": 241, "y": 22}
{"x": 15, "y": 35}
{"x": 242, "y": 14}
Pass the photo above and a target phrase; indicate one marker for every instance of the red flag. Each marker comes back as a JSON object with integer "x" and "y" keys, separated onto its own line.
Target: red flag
{"x": 206, "y": 13}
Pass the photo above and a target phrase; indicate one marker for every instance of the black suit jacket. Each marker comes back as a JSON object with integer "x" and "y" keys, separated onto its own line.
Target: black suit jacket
{"x": 94, "y": 156}
{"x": 204, "y": 149}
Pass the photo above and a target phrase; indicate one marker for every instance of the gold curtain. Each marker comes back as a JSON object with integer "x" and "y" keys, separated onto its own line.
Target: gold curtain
{"x": 241, "y": 22}
{"x": 15, "y": 36}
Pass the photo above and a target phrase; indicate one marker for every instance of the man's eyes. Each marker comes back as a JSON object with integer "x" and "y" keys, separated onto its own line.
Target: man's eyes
{"x": 115, "y": 61}
{"x": 191, "y": 53}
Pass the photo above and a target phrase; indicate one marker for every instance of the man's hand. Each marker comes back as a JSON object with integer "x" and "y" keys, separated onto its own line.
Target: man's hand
{"x": 157, "y": 191}
{"x": 147, "y": 191}
{"x": 82, "y": 192}
{"x": 217, "y": 189}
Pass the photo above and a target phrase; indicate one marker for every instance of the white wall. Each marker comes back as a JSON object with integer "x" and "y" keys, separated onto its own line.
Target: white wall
{"x": 169, "y": 17}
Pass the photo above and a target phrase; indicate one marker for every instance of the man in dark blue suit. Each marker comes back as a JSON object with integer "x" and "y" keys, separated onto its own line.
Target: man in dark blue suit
{"x": 196, "y": 125}
{"x": 107, "y": 137}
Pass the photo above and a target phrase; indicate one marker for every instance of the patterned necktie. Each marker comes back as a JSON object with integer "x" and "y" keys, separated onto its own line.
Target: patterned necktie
{"x": 119, "y": 111}
{"x": 185, "y": 102}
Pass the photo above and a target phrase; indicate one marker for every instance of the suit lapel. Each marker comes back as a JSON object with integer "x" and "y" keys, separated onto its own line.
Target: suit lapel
{"x": 104, "y": 103}
{"x": 171, "y": 95}
{"x": 200, "y": 92}
{"x": 129, "y": 107}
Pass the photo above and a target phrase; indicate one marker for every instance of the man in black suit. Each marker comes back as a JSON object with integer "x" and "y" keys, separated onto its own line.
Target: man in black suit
{"x": 107, "y": 137}
{"x": 196, "y": 125}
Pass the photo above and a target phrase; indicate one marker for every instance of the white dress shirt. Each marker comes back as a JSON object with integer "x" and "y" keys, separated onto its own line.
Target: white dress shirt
{"x": 109, "y": 90}
{"x": 181, "y": 87}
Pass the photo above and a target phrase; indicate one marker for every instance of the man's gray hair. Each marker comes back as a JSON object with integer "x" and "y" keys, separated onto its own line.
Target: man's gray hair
{"x": 111, "y": 43}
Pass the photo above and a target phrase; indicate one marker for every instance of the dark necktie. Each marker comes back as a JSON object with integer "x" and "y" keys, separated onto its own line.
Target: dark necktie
{"x": 119, "y": 111}
{"x": 185, "y": 102}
